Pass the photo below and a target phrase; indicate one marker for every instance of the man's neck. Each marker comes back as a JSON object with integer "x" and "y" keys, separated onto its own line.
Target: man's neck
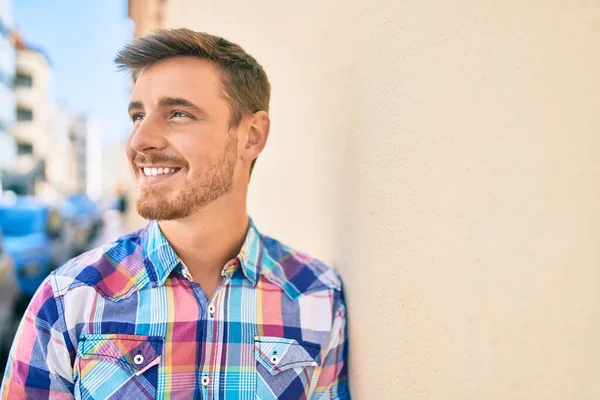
{"x": 207, "y": 240}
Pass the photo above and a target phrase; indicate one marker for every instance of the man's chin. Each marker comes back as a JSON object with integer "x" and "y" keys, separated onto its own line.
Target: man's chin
{"x": 160, "y": 211}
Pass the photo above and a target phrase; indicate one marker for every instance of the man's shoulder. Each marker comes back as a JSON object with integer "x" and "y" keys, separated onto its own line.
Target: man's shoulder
{"x": 295, "y": 271}
{"x": 112, "y": 269}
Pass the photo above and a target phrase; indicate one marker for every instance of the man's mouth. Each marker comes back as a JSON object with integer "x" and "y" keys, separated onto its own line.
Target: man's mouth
{"x": 152, "y": 175}
{"x": 156, "y": 171}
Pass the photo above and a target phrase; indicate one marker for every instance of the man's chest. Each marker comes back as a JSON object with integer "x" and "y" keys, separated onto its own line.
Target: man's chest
{"x": 173, "y": 342}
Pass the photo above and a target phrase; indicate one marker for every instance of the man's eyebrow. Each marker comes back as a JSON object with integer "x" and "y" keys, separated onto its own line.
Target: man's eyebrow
{"x": 135, "y": 105}
{"x": 168, "y": 102}
{"x": 179, "y": 102}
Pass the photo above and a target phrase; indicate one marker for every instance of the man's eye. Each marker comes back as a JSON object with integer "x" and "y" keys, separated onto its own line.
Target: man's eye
{"x": 137, "y": 117}
{"x": 179, "y": 114}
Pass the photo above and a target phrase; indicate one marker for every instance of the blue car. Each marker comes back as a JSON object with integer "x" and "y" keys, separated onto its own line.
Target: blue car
{"x": 30, "y": 230}
{"x": 9, "y": 296}
{"x": 83, "y": 216}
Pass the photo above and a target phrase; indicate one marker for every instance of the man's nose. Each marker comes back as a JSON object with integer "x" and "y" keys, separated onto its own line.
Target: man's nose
{"x": 148, "y": 135}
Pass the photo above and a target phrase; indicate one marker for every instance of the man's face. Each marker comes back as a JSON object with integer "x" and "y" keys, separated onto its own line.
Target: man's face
{"x": 182, "y": 150}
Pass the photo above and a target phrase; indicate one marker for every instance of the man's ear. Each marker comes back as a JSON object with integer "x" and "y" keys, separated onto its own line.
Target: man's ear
{"x": 258, "y": 133}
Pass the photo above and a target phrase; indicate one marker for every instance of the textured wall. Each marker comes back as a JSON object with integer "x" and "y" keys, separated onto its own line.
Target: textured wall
{"x": 444, "y": 156}
{"x": 474, "y": 228}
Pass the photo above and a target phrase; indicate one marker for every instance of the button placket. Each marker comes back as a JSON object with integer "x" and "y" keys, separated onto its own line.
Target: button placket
{"x": 209, "y": 388}
{"x": 205, "y": 381}
{"x": 205, "y": 386}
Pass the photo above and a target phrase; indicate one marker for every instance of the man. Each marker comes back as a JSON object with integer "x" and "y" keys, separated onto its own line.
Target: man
{"x": 198, "y": 304}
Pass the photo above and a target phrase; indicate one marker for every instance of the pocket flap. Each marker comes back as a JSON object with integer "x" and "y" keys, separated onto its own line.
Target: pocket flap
{"x": 131, "y": 351}
{"x": 279, "y": 354}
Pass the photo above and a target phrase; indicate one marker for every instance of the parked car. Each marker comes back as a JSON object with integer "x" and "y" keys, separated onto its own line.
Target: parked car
{"x": 9, "y": 295}
{"x": 32, "y": 238}
{"x": 83, "y": 221}
{"x": 32, "y": 245}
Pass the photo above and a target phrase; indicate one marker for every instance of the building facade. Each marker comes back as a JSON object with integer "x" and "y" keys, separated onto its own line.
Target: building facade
{"x": 61, "y": 166}
{"x": 79, "y": 145}
{"x": 33, "y": 127}
{"x": 7, "y": 77}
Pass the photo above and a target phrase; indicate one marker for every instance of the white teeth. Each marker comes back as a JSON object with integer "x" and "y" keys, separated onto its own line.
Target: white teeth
{"x": 157, "y": 171}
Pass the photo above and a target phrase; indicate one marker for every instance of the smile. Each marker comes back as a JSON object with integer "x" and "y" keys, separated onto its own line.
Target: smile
{"x": 155, "y": 171}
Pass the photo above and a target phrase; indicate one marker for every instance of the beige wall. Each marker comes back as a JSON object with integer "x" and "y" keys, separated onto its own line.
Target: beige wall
{"x": 147, "y": 15}
{"x": 444, "y": 157}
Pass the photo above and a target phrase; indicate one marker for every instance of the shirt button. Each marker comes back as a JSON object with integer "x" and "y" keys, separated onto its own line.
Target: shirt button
{"x": 205, "y": 381}
{"x": 274, "y": 359}
{"x": 138, "y": 359}
{"x": 211, "y": 309}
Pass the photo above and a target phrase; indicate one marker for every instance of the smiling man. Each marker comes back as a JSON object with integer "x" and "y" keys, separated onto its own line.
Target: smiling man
{"x": 199, "y": 304}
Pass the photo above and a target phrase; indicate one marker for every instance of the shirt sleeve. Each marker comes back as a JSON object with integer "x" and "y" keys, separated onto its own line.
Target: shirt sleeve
{"x": 39, "y": 365}
{"x": 333, "y": 379}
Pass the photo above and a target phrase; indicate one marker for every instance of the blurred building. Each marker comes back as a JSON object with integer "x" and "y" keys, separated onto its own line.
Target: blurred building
{"x": 57, "y": 152}
{"x": 93, "y": 158}
{"x": 78, "y": 137}
{"x": 61, "y": 165}
{"x": 117, "y": 180}
{"x": 115, "y": 169}
{"x": 7, "y": 76}
{"x": 147, "y": 15}
{"x": 34, "y": 108}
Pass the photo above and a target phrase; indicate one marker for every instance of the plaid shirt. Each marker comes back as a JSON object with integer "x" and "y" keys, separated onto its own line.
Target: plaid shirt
{"x": 127, "y": 321}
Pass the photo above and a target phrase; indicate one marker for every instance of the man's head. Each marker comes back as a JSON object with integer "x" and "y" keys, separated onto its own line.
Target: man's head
{"x": 199, "y": 109}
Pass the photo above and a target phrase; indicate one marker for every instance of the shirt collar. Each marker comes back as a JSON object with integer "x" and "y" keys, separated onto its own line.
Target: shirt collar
{"x": 160, "y": 258}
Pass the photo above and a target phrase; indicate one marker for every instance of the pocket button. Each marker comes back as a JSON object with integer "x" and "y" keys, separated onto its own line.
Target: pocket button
{"x": 138, "y": 359}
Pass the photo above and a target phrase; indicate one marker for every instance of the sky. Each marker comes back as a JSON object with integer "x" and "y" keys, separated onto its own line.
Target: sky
{"x": 81, "y": 38}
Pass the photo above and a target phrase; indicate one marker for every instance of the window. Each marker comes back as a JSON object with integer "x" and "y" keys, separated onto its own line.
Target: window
{"x": 23, "y": 80}
{"x": 24, "y": 114}
{"x": 24, "y": 148}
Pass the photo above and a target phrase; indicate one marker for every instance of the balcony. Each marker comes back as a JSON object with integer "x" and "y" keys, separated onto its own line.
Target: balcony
{"x": 26, "y": 131}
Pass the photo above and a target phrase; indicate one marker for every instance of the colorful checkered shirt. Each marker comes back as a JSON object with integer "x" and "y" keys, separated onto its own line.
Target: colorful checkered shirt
{"x": 126, "y": 321}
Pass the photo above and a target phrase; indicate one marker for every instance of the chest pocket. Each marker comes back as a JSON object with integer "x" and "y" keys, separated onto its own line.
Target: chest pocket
{"x": 118, "y": 366}
{"x": 284, "y": 367}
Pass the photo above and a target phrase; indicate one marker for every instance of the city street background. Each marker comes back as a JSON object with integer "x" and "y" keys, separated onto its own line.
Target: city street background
{"x": 442, "y": 156}
{"x": 64, "y": 183}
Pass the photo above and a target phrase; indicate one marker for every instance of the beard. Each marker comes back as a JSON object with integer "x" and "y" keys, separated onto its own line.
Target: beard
{"x": 204, "y": 186}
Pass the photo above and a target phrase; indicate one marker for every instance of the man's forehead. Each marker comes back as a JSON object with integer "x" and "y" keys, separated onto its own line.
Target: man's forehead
{"x": 190, "y": 78}
{"x": 180, "y": 68}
